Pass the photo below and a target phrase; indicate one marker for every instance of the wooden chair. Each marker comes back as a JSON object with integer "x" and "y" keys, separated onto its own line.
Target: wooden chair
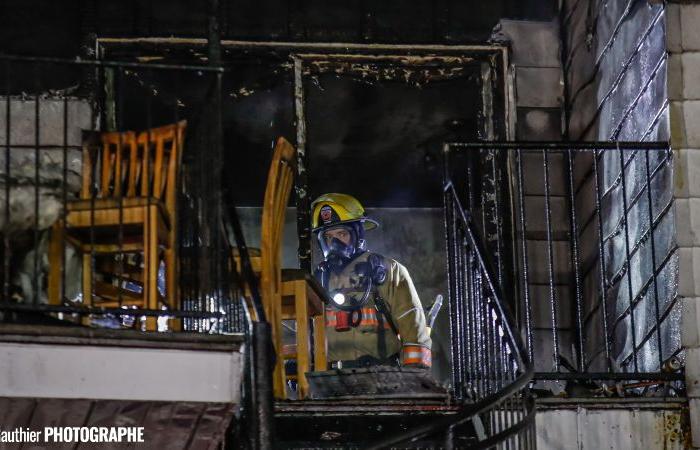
{"x": 288, "y": 295}
{"x": 302, "y": 301}
{"x": 127, "y": 205}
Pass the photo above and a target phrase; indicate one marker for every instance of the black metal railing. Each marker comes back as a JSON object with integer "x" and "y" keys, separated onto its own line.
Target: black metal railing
{"x": 490, "y": 367}
{"x": 594, "y": 261}
{"x": 49, "y": 108}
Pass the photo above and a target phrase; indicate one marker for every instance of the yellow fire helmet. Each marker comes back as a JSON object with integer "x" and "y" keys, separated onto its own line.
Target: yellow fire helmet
{"x": 333, "y": 209}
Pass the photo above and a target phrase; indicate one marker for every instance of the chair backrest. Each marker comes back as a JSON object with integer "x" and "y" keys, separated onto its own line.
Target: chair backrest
{"x": 279, "y": 185}
{"x": 130, "y": 164}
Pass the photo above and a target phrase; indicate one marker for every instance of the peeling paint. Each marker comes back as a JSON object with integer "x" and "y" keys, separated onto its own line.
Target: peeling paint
{"x": 416, "y": 71}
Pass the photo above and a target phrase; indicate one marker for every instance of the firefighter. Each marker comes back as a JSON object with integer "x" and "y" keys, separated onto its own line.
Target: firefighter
{"x": 375, "y": 316}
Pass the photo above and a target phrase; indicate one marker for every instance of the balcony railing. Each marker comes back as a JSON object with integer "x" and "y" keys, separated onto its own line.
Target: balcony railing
{"x": 73, "y": 249}
{"x": 491, "y": 371}
{"x": 583, "y": 241}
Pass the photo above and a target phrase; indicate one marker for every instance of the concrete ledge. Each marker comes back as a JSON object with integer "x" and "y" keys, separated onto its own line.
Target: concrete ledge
{"x": 121, "y": 368}
{"x": 612, "y": 403}
{"x": 34, "y": 334}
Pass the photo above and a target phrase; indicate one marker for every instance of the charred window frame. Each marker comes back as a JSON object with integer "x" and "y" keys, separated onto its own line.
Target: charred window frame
{"x": 495, "y": 120}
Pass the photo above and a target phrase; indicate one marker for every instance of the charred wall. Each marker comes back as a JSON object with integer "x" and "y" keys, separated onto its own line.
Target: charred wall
{"x": 59, "y": 28}
{"x": 615, "y": 60}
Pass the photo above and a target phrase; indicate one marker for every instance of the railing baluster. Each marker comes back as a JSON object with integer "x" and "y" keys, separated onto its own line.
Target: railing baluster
{"x": 657, "y": 309}
{"x": 601, "y": 258}
{"x": 575, "y": 260}
{"x": 550, "y": 264}
{"x": 118, "y": 186}
{"x": 64, "y": 199}
{"x": 6, "y": 209}
{"x": 523, "y": 248}
{"x": 628, "y": 263}
{"x": 37, "y": 165}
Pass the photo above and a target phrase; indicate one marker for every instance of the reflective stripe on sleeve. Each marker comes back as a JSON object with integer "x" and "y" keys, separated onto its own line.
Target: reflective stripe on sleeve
{"x": 369, "y": 319}
{"x": 416, "y": 354}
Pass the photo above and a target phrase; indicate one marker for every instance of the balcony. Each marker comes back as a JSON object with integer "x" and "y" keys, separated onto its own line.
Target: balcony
{"x": 115, "y": 253}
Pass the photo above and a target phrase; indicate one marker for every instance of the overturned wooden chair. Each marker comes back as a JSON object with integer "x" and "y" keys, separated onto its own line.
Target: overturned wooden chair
{"x": 287, "y": 294}
{"x": 128, "y": 204}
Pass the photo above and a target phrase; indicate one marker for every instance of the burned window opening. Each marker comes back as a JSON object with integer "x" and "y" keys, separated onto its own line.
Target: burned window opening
{"x": 324, "y": 81}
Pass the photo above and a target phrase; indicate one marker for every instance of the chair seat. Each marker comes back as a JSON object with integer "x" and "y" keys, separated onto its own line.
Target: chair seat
{"x": 109, "y": 296}
{"x": 101, "y": 226}
{"x": 128, "y": 204}
{"x": 255, "y": 260}
{"x": 315, "y": 294}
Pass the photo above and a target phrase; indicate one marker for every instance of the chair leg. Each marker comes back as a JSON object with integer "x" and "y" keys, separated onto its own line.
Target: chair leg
{"x": 56, "y": 252}
{"x": 171, "y": 295}
{"x": 320, "y": 358}
{"x": 171, "y": 292}
{"x": 146, "y": 262}
{"x": 279, "y": 378}
{"x": 87, "y": 284}
{"x": 150, "y": 285}
{"x": 301, "y": 307}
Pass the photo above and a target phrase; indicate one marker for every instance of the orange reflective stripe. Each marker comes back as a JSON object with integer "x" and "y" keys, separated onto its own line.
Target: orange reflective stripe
{"x": 369, "y": 314}
{"x": 416, "y": 354}
{"x": 369, "y": 318}
{"x": 330, "y": 319}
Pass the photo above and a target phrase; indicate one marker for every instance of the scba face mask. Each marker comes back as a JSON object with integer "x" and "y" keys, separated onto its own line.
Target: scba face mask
{"x": 338, "y": 253}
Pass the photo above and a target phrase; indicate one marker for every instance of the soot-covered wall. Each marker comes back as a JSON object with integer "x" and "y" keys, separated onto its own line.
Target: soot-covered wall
{"x": 60, "y": 27}
{"x": 614, "y": 62}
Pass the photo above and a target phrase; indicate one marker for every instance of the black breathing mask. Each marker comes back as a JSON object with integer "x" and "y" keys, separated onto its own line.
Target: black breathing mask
{"x": 370, "y": 274}
{"x": 339, "y": 253}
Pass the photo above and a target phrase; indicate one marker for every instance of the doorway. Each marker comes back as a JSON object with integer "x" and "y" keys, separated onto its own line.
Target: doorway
{"x": 372, "y": 125}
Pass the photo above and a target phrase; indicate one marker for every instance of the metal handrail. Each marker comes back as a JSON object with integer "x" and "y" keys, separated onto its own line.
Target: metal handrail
{"x": 510, "y": 397}
{"x": 471, "y": 411}
{"x": 503, "y": 309}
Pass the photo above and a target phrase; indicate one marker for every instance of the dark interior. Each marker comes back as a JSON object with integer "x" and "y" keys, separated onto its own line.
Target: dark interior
{"x": 381, "y": 140}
